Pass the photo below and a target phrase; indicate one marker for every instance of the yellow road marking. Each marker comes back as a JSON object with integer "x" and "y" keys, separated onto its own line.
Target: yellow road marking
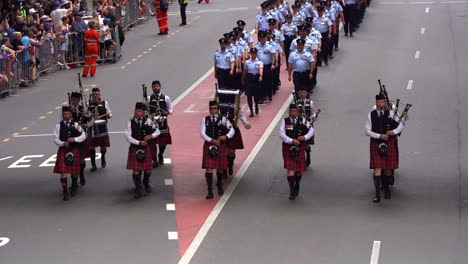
{"x": 86, "y": 90}
{"x": 128, "y": 63}
{"x": 150, "y": 49}
{"x": 139, "y": 56}
{"x": 42, "y": 117}
{"x": 15, "y": 134}
{"x": 58, "y": 107}
{"x": 64, "y": 103}
{"x": 144, "y": 52}
{"x": 6, "y": 140}
{"x": 134, "y": 59}
{"x": 123, "y": 67}
{"x": 24, "y": 128}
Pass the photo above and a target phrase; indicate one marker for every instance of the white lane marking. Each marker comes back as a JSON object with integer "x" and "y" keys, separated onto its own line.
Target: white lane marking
{"x": 172, "y": 235}
{"x": 391, "y": 3}
{"x": 170, "y": 207}
{"x": 416, "y": 3}
{"x": 48, "y": 135}
{"x": 4, "y": 241}
{"x": 227, "y": 194}
{"x": 168, "y": 182}
{"x": 454, "y": 2}
{"x": 416, "y": 55}
{"x": 24, "y": 159}
{"x": 375, "y": 253}
{"x": 410, "y": 85}
{"x": 50, "y": 162}
{"x": 427, "y": 10}
{"x": 189, "y": 109}
{"x": 167, "y": 161}
{"x": 423, "y": 30}
{"x": 5, "y": 158}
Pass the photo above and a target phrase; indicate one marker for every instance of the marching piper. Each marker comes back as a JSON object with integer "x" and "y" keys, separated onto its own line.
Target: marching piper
{"x": 139, "y": 131}
{"x": 307, "y": 109}
{"x": 161, "y": 107}
{"x": 295, "y": 131}
{"x": 215, "y": 130}
{"x": 79, "y": 114}
{"x": 382, "y": 129}
{"x": 67, "y": 136}
{"x": 99, "y": 137}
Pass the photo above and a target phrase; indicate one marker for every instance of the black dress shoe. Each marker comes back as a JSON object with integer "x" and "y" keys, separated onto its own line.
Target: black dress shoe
{"x": 251, "y": 115}
{"x": 387, "y": 194}
{"x": 161, "y": 159}
{"x": 337, "y": 49}
{"x": 376, "y": 199}
{"x": 147, "y": 187}
{"x": 73, "y": 189}
{"x": 66, "y": 197}
{"x": 331, "y": 57}
{"x": 220, "y": 189}
{"x": 155, "y": 164}
{"x": 82, "y": 180}
{"x": 182, "y": 24}
{"x": 256, "y": 111}
{"x": 138, "y": 193}
{"x": 292, "y": 197}
{"x": 93, "y": 169}
{"x": 209, "y": 196}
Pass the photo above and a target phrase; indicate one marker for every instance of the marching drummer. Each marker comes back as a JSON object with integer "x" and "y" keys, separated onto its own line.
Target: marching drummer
{"x": 295, "y": 131}
{"x": 161, "y": 107}
{"x": 139, "y": 131}
{"x": 215, "y": 130}
{"x": 79, "y": 114}
{"x": 67, "y": 136}
{"x": 100, "y": 113}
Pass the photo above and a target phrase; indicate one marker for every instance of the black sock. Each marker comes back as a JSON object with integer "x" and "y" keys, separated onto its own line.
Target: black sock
{"x": 209, "y": 181}
{"x": 162, "y": 148}
{"x": 377, "y": 184}
{"x": 291, "y": 184}
{"x": 92, "y": 157}
{"x": 82, "y": 167}
{"x": 74, "y": 180}
{"x": 219, "y": 177}
{"x": 64, "y": 183}
{"x": 231, "y": 161}
{"x": 146, "y": 177}
{"x": 137, "y": 180}
{"x": 103, "y": 154}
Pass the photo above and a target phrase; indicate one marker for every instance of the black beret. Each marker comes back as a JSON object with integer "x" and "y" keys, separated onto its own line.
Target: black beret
{"x": 213, "y": 103}
{"x": 75, "y": 95}
{"x": 95, "y": 89}
{"x": 309, "y": 19}
{"x": 271, "y": 21}
{"x": 140, "y": 106}
{"x": 261, "y": 34}
{"x": 300, "y": 42}
{"x": 265, "y": 5}
{"x": 379, "y": 97}
{"x": 223, "y": 40}
{"x": 253, "y": 50}
{"x": 66, "y": 108}
{"x": 237, "y": 30}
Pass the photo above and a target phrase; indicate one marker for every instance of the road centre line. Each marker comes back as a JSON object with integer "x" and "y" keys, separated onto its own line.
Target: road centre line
{"x": 427, "y": 10}
{"x": 190, "y": 252}
{"x": 423, "y": 30}
{"x": 416, "y": 55}
{"x": 375, "y": 253}
{"x": 410, "y": 85}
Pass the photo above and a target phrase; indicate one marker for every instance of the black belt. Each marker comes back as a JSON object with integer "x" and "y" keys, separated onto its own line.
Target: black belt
{"x": 222, "y": 69}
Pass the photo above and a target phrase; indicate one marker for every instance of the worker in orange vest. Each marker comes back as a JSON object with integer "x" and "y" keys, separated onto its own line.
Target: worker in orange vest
{"x": 161, "y": 15}
{"x": 91, "y": 40}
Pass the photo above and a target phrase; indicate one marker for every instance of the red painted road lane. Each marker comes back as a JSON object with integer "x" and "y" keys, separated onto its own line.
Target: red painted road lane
{"x": 192, "y": 208}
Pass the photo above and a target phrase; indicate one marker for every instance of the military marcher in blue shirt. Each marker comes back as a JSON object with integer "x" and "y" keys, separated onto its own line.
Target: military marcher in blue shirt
{"x": 337, "y": 6}
{"x": 300, "y": 64}
{"x": 262, "y": 18}
{"x": 251, "y": 79}
{"x": 224, "y": 62}
{"x": 267, "y": 54}
{"x": 290, "y": 32}
{"x": 245, "y": 35}
{"x": 324, "y": 25}
{"x": 278, "y": 38}
{"x": 350, "y": 13}
{"x": 242, "y": 49}
{"x": 330, "y": 13}
{"x": 297, "y": 17}
{"x": 279, "y": 53}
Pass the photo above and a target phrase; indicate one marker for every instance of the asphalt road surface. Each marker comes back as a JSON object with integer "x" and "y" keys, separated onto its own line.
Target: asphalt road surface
{"x": 333, "y": 220}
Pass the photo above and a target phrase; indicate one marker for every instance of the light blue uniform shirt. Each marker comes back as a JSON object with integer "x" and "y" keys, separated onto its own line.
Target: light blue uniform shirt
{"x": 276, "y": 45}
{"x": 350, "y": 2}
{"x": 223, "y": 59}
{"x": 322, "y": 23}
{"x": 310, "y": 45}
{"x": 314, "y": 33}
{"x": 279, "y": 37}
{"x": 262, "y": 21}
{"x": 234, "y": 50}
{"x": 338, "y": 8}
{"x": 253, "y": 66}
{"x": 297, "y": 19}
{"x": 247, "y": 37}
{"x": 242, "y": 46}
{"x": 265, "y": 52}
{"x": 330, "y": 14}
{"x": 300, "y": 60}
{"x": 289, "y": 29}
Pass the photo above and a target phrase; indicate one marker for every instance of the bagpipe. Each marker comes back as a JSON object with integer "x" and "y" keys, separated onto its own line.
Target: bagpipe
{"x": 156, "y": 113}
{"x": 394, "y": 105}
{"x": 228, "y": 103}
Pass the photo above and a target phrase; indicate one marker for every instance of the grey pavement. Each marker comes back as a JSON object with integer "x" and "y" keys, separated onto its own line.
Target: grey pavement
{"x": 334, "y": 219}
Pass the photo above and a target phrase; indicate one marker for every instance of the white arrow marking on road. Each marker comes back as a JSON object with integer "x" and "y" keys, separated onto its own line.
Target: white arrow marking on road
{"x": 427, "y": 10}
{"x": 9, "y": 157}
{"x": 375, "y": 253}
{"x": 189, "y": 109}
{"x": 4, "y": 241}
{"x": 416, "y": 55}
{"x": 410, "y": 85}
{"x": 423, "y": 30}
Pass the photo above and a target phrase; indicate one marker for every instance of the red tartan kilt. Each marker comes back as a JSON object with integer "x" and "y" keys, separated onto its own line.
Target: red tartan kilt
{"x": 389, "y": 161}
{"x": 297, "y": 163}
{"x": 61, "y": 167}
{"x": 220, "y": 162}
{"x": 133, "y": 164}
{"x": 100, "y": 142}
{"x": 236, "y": 141}
{"x": 164, "y": 139}
{"x": 84, "y": 149}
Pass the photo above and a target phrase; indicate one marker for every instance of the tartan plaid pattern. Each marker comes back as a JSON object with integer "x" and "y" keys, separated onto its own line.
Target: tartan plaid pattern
{"x": 236, "y": 141}
{"x": 220, "y": 162}
{"x": 60, "y": 166}
{"x": 297, "y": 163}
{"x": 100, "y": 142}
{"x": 133, "y": 164}
{"x": 84, "y": 148}
{"x": 164, "y": 139}
{"x": 388, "y": 161}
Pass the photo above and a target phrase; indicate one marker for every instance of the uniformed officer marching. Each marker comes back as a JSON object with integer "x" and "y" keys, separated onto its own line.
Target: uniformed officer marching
{"x": 161, "y": 107}
{"x": 67, "y": 136}
{"x": 99, "y": 110}
{"x": 324, "y": 25}
{"x": 224, "y": 62}
{"x": 382, "y": 129}
{"x": 295, "y": 132}
{"x": 262, "y": 18}
{"x": 278, "y": 38}
{"x": 251, "y": 79}
{"x": 267, "y": 54}
{"x": 297, "y": 17}
{"x": 215, "y": 130}
{"x": 245, "y": 35}
{"x": 290, "y": 31}
{"x": 138, "y": 132}
{"x": 80, "y": 114}
{"x": 300, "y": 63}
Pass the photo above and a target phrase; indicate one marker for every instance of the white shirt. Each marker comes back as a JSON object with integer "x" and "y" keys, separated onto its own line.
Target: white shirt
{"x": 128, "y": 132}
{"x": 203, "y": 135}
{"x": 374, "y": 135}
{"x": 57, "y": 15}
{"x": 288, "y": 140}
{"x": 79, "y": 139}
